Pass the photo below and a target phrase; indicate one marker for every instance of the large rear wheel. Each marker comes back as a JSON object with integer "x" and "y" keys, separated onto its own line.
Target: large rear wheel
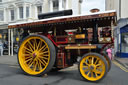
{"x": 108, "y": 61}
{"x": 93, "y": 67}
{"x": 36, "y": 55}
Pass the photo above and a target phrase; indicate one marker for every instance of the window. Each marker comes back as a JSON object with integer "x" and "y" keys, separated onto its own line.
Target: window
{"x": 64, "y": 4}
{"x": 39, "y": 9}
{"x": 21, "y": 15}
{"x": 12, "y": 15}
{"x": 55, "y": 5}
{"x": 105, "y": 32}
{"x": 27, "y": 12}
{"x": 124, "y": 42}
{"x": 1, "y": 15}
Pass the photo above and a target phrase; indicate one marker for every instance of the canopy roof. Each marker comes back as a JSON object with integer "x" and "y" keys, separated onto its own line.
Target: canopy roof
{"x": 101, "y": 18}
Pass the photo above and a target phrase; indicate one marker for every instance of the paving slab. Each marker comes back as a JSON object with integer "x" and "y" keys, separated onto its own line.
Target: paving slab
{"x": 123, "y": 61}
{"x": 11, "y": 60}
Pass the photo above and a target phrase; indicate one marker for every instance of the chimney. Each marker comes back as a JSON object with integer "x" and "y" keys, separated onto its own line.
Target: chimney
{"x": 94, "y": 10}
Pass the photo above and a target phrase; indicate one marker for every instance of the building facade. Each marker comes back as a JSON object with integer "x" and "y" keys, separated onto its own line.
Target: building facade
{"x": 121, "y": 31}
{"x": 13, "y": 11}
{"x": 119, "y": 5}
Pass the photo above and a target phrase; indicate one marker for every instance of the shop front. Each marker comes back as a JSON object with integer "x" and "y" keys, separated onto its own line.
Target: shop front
{"x": 4, "y": 37}
{"x": 121, "y": 39}
{"x": 124, "y": 41}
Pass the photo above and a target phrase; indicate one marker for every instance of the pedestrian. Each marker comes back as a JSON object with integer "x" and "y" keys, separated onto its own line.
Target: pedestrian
{"x": 109, "y": 51}
{"x": 1, "y": 48}
{"x": 113, "y": 52}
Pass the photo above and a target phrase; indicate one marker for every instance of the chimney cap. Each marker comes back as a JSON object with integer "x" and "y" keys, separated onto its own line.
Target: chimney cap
{"x": 94, "y": 10}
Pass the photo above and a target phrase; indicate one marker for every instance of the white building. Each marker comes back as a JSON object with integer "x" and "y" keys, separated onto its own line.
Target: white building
{"x": 121, "y": 31}
{"x": 19, "y": 10}
{"x": 12, "y": 11}
{"x": 120, "y": 6}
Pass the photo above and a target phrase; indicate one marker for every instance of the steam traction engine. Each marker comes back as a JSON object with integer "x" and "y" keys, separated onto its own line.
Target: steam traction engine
{"x": 57, "y": 42}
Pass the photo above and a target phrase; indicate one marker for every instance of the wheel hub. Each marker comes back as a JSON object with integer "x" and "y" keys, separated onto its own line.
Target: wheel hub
{"x": 34, "y": 55}
{"x": 92, "y": 67}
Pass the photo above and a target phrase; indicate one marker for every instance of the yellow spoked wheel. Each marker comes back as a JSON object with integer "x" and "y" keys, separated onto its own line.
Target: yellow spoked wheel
{"x": 93, "y": 67}
{"x": 36, "y": 55}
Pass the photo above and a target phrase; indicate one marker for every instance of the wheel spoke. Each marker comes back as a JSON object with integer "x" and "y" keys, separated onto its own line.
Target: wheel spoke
{"x": 44, "y": 49}
{"x": 88, "y": 73}
{"x": 99, "y": 68}
{"x": 31, "y": 63}
{"x": 44, "y": 58}
{"x": 45, "y": 55}
{"x": 98, "y": 65}
{"x": 98, "y": 72}
{"x": 34, "y": 44}
{"x": 40, "y": 66}
{"x": 28, "y": 60}
{"x": 38, "y": 45}
{"x": 35, "y": 65}
{"x": 96, "y": 61}
{"x": 41, "y": 62}
{"x": 86, "y": 70}
{"x": 28, "y": 52}
{"x": 92, "y": 60}
{"x": 91, "y": 74}
{"x": 28, "y": 49}
{"x": 89, "y": 61}
{"x": 41, "y": 48}
{"x": 44, "y": 52}
{"x": 86, "y": 62}
{"x": 85, "y": 66}
{"x": 41, "y": 44}
{"x": 30, "y": 45}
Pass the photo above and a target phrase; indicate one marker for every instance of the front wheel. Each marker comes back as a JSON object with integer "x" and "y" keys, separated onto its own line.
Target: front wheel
{"x": 36, "y": 55}
{"x": 93, "y": 67}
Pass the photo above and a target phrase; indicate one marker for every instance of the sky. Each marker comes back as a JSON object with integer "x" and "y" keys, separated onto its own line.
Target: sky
{"x": 90, "y": 4}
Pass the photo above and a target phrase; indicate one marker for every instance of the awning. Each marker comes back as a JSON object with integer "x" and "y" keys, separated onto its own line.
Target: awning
{"x": 4, "y": 26}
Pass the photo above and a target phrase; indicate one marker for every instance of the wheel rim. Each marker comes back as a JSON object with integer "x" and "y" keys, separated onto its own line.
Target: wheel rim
{"x": 92, "y": 68}
{"x": 34, "y": 55}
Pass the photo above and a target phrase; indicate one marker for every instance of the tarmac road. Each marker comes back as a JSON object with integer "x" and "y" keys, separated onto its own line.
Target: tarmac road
{"x": 12, "y": 75}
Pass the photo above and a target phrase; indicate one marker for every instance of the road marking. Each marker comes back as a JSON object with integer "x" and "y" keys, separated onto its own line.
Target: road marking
{"x": 120, "y": 66}
{"x": 14, "y": 66}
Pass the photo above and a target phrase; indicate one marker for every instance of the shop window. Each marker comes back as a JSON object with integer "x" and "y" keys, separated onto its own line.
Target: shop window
{"x": 12, "y": 15}
{"x": 21, "y": 14}
{"x": 55, "y": 5}
{"x": 39, "y": 9}
{"x": 1, "y": 15}
{"x": 27, "y": 12}
{"x": 124, "y": 42}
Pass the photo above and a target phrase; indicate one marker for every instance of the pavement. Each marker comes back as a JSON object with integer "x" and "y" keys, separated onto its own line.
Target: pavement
{"x": 122, "y": 61}
{"x": 9, "y": 60}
